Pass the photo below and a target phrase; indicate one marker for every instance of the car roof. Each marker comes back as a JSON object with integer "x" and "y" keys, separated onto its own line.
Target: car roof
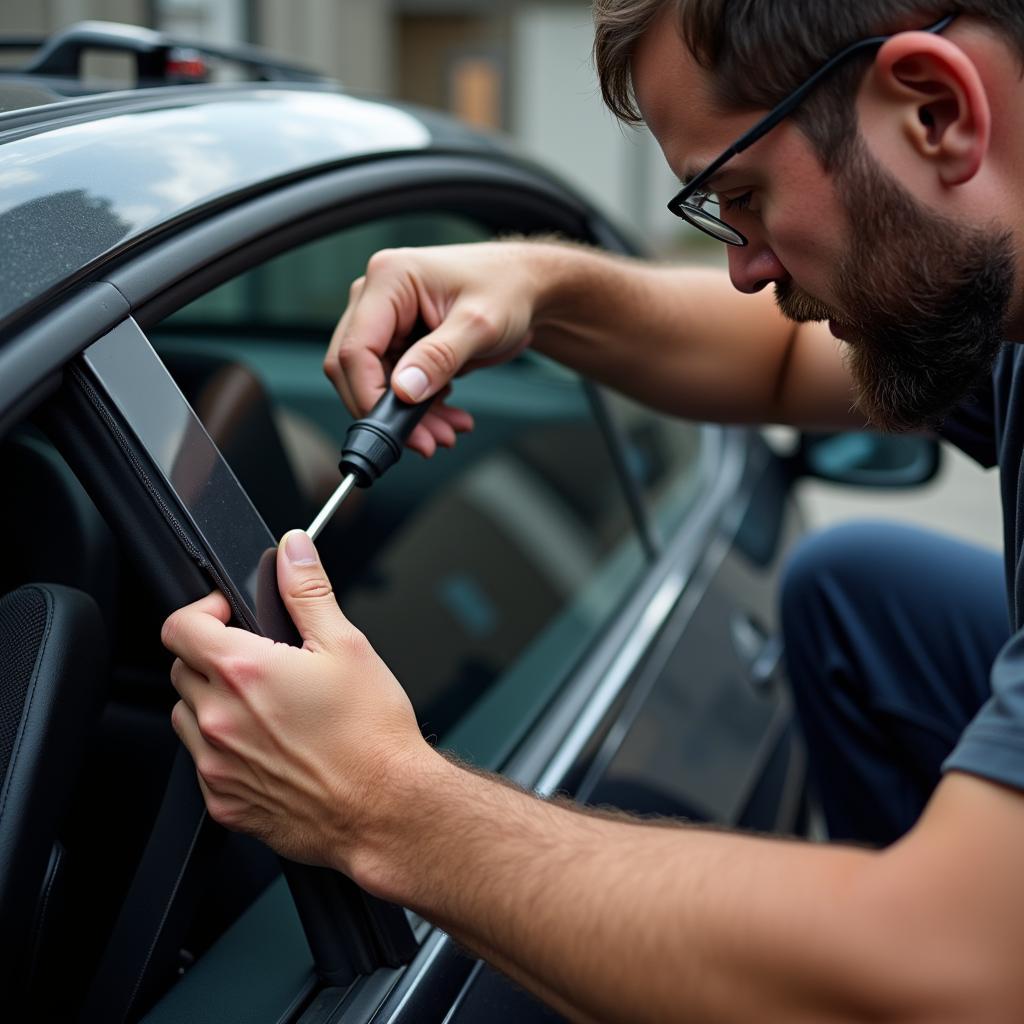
{"x": 83, "y": 179}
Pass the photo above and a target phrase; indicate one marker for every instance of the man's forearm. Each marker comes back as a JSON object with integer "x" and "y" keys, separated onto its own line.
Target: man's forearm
{"x": 613, "y": 919}
{"x": 625, "y": 921}
{"x": 683, "y": 340}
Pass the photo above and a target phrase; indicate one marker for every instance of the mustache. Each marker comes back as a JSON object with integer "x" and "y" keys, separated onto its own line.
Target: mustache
{"x": 798, "y": 306}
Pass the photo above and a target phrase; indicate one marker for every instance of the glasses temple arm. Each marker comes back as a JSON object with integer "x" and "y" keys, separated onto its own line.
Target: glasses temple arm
{"x": 791, "y": 102}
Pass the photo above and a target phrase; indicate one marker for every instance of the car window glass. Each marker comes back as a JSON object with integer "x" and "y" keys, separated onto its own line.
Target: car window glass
{"x": 665, "y": 456}
{"x": 482, "y": 575}
{"x": 305, "y": 288}
{"x": 506, "y": 558}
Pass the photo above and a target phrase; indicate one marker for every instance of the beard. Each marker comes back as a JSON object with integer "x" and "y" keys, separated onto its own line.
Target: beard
{"x": 924, "y": 301}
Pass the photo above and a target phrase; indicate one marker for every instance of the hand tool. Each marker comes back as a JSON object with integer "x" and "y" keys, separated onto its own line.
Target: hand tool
{"x": 372, "y": 445}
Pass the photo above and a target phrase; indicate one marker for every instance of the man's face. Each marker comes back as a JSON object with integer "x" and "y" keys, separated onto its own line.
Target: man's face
{"x": 921, "y": 301}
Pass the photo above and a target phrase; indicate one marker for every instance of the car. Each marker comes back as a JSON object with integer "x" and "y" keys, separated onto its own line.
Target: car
{"x": 580, "y": 595}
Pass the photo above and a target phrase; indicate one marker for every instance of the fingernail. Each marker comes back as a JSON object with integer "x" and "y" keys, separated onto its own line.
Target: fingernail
{"x": 413, "y": 381}
{"x": 299, "y": 548}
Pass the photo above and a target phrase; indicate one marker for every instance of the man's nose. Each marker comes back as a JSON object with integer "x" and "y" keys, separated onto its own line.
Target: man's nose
{"x": 753, "y": 267}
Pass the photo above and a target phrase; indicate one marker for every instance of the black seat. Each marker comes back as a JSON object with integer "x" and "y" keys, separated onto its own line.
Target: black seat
{"x": 53, "y": 655}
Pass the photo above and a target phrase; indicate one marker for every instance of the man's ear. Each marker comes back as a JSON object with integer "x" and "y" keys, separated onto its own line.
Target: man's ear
{"x": 937, "y": 92}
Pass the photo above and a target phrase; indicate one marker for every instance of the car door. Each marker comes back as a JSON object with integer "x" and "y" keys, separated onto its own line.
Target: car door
{"x": 482, "y": 577}
{"x": 487, "y": 576}
{"x": 531, "y": 588}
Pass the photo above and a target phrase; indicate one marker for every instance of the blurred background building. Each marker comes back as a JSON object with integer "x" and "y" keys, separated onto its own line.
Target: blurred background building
{"x": 522, "y": 68}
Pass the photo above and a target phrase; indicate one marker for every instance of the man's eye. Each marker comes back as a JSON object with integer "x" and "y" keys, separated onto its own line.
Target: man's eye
{"x": 738, "y": 203}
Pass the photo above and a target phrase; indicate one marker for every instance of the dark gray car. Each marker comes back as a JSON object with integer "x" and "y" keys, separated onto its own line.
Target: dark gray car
{"x": 580, "y": 595}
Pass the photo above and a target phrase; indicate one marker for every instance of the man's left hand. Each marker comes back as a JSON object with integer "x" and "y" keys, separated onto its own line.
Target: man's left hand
{"x": 292, "y": 745}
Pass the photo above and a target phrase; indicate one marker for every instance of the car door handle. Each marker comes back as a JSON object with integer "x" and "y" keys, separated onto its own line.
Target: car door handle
{"x": 760, "y": 651}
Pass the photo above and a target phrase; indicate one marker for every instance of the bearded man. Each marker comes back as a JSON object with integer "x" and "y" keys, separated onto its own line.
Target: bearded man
{"x": 864, "y": 164}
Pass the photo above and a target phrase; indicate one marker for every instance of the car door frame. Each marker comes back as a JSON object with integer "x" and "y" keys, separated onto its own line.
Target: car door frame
{"x": 168, "y": 275}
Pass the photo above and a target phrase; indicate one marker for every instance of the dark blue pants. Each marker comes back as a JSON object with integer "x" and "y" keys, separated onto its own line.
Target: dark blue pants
{"x": 890, "y": 633}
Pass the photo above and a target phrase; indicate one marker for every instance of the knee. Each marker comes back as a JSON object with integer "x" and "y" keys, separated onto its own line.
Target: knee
{"x": 834, "y": 560}
{"x": 817, "y": 577}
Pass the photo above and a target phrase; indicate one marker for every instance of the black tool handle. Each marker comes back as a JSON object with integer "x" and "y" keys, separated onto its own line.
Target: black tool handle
{"x": 375, "y": 443}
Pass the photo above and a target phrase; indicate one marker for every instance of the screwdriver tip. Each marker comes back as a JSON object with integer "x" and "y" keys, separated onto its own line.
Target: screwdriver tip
{"x": 327, "y": 512}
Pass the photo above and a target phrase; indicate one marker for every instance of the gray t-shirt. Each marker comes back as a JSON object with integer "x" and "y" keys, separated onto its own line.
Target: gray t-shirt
{"x": 990, "y": 428}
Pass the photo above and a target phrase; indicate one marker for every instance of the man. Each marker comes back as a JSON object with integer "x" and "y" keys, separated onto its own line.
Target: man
{"x": 883, "y": 204}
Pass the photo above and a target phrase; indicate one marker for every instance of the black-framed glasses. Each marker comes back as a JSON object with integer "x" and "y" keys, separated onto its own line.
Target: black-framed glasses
{"x": 700, "y": 207}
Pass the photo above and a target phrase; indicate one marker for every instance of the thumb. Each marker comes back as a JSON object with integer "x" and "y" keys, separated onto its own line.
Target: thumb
{"x": 430, "y": 365}
{"x": 307, "y": 592}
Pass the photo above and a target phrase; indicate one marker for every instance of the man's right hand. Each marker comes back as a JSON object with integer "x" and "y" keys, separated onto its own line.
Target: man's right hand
{"x": 479, "y": 302}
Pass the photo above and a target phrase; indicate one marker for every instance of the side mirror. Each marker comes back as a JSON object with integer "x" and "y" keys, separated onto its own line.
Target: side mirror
{"x": 868, "y": 460}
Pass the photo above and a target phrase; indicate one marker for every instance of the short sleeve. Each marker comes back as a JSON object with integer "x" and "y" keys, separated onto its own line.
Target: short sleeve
{"x": 993, "y": 744}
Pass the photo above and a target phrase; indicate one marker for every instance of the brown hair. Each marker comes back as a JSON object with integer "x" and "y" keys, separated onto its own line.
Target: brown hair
{"x": 758, "y": 51}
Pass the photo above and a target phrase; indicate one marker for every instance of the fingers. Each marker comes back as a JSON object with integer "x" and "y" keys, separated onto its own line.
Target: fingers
{"x": 363, "y": 378}
{"x": 421, "y": 440}
{"x": 439, "y": 428}
{"x": 430, "y": 365}
{"x": 187, "y": 683}
{"x": 383, "y": 307}
{"x": 184, "y": 723}
{"x": 225, "y": 781}
{"x": 333, "y": 367}
{"x": 307, "y": 592}
{"x": 199, "y": 634}
{"x": 215, "y": 604}
{"x": 458, "y": 419}
{"x": 214, "y": 711}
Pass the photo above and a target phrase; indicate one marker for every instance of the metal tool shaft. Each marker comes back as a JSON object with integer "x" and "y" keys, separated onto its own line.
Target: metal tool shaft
{"x": 324, "y": 516}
